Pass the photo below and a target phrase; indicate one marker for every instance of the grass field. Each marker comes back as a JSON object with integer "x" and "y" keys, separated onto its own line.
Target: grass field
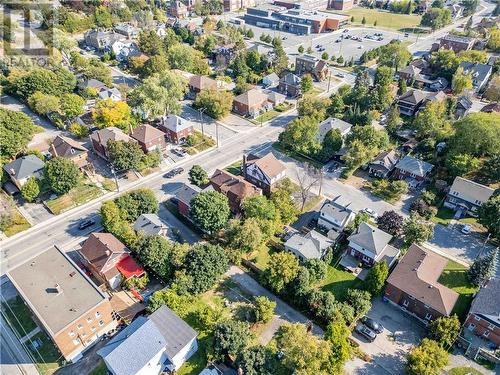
{"x": 101, "y": 369}
{"x": 197, "y": 143}
{"x": 47, "y": 357}
{"x": 388, "y": 20}
{"x": 454, "y": 276}
{"x": 443, "y": 216}
{"x": 338, "y": 281}
{"x": 19, "y": 316}
{"x": 75, "y": 197}
{"x": 234, "y": 168}
{"x": 464, "y": 371}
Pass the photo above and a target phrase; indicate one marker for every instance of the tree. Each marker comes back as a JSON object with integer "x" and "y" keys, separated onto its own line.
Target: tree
{"x": 461, "y": 81}
{"x": 461, "y": 164}
{"x": 444, "y": 330}
{"x": 244, "y": 237}
{"x": 477, "y": 134}
{"x": 360, "y": 300}
{"x": 198, "y": 176}
{"x": 282, "y": 269}
{"x": 482, "y": 269}
{"x": 112, "y": 113}
{"x": 204, "y": 264}
{"x": 445, "y": 62}
{"x": 490, "y": 170}
{"x": 307, "y": 83}
{"x": 390, "y": 222}
{"x": 314, "y": 107}
{"x": 259, "y": 207}
{"x": 44, "y": 104}
{"x": 357, "y": 155}
{"x": 402, "y": 86}
{"x": 307, "y": 177}
{"x": 125, "y": 156}
{"x": 317, "y": 270}
{"x": 331, "y": 144}
{"x": 210, "y": 211}
{"x": 426, "y": 359}
{"x": 137, "y": 202}
{"x": 257, "y": 360}
{"x": 230, "y": 338}
{"x": 492, "y": 92}
{"x": 301, "y": 49}
{"x": 324, "y": 55}
{"x": 62, "y": 174}
{"x": 436, "y": 18}
{"x": 394, "y": 55}
{"x": 281, "y": 196}
{"x": 52, "y": 82}
{"x": 30, "y": 190}
{"x": 338, "y": 334}
{"x": 375, "y": 280}
{"x": 156, "y": 64}
{"x": 432, "y": 121}
{"x": 305, "y": 353}
{"x": 218, "y": 103}
{"x": 150, "y": 43}
{"x": 185, "y": 57}
{"x": 321, "y": 304}
{"x": 71, "y": 105}
{"x": 103, "y": 18}
{"x": 263, "y": 309}
{"x": 301, "y": 136}
{"x": 159, "y": 95}
{"x": 337, "y": 105}
{"x": 363, "y": 21}
{"x": 416, "y": 230}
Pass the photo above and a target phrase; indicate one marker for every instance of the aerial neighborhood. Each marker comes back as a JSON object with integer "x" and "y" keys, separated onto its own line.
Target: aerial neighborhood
{"x": 250, "y": 187}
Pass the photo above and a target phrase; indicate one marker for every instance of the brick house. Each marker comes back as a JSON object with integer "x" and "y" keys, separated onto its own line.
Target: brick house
{"x": 199, "y": 82}
{"x": 235, "y": 188}
{"x": 413, "y": 285}
{"x": 413, "y": 171}
{"x": 109, "y": 260}
{"x": 176, "y": 128}
{"x": 263, "y": 172}
{"x": 67, "y": 148}
{"x": 68, "y": 306}
{"x": 100, "y": 139}
{"x": 183, "y": 198}
{"x": 483, "y": 319}
{"x": 317, "y": 68}
{"x": 290, "y": 85}
{"x": 250, "y": 103}
{"x": 456, "y": 43}
{"x": 149, "y": 138}
{"x": 467, "y": 196}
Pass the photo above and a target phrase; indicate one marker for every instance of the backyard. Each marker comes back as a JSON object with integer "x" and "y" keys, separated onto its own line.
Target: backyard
{"x": 454, "y": 276}
{"x": 338, "y": 282}
{"x": 18, "y": 316}
{"x": 402, "y": 22}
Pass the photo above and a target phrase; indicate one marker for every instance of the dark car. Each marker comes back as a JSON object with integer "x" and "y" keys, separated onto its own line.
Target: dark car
{"x": 86, "y": 223}
{"x": 173, "y": 172}
{"x": 366, "y": 332}
{"x": 372, "y": 324}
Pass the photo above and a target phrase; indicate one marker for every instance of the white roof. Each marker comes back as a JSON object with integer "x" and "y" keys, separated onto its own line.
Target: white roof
{"x": 175, "y": 123}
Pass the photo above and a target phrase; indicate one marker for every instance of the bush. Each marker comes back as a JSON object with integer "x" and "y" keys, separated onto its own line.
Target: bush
{"x": 62, "y": 174}
{"x": 263, "y": 309}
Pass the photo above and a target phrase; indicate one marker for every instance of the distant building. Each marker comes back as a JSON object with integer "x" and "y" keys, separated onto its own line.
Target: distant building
{"x": 176, "y": 128}
{"x": 149, "y": 138}
{"x": 263, "y": 172}
{"x": 312, "y": 245}
{"x": 383, "y": 164}
{"x": 480, "y": 73}
{"x": 233, "y": 5}
{"x": 463, "y": 106}
{"x": 317, "y": 68}
{"x": 456, "y": 43}
{"x": 341, "y": 4}
{"x": 100, "y": 139}
{"x": 67, "y": 304}
{"x": 467, "y": 196}
{"x": 290, "y": 85}
{"x": 21, "y": 169}
{"x": 68, "y": 148}
{"x": 123, "y": 50}
{"x": 414, "y": 286}
{"x": 413, "y": 171}
{"x": 110, "y": 93}
{"x": 157, "y": 344}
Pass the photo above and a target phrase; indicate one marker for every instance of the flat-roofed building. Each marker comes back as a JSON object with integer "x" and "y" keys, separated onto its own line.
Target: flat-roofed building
{"x": 67, "y": 304}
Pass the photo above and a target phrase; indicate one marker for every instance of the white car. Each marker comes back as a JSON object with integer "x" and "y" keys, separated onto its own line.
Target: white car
{"x": 466, "y": 229}
{"x": 370, "y": 212}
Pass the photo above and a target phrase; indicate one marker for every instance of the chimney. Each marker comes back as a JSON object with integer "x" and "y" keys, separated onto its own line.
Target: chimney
{"x": 58, "y": 288}
{"x": 12, "y": 172}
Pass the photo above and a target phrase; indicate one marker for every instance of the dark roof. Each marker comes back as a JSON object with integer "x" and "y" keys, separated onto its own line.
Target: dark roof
{"x": 386, "y": 160}
{"x": 186, "y": 193}
{"x": 370, "y": 238}
{"x": 101, "y": 249}
{"x": 232, "y": 186}
{"x": 413, "y": 96}
{"x": 492, "y": 107}
{"x": 66, "y": 147}
{"x": 457, "y": 38}
{"x": 251, "y": 97}
{"x": 479, "y": 71}
{"x": 417, "y": 274}
{"x": 487, "y": 301}
{"x": 24, "y": 167}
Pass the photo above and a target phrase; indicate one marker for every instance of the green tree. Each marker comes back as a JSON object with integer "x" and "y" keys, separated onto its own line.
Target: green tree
{"x": 307, "y": 83}
{"x": 393, "y": 121}
{"x": 62, "y": 174}
{"x": 185, "y": 57}
{"x": 317, "y": 270}
{"x": 257, "y": 360}
{"x": 482, "y": 269}
{"x": 461, "y": 164}
{"x": 363, "y": 21}
{"x": 259, "y": 207}
{"x": 125, "y": 156}
{"x": 338, "y": 334}
{"x": 150, "y": 43}
{"x": 198, "y": 176}
{"x": 243, "y": 237}
{"x": 301, "y": 49}
{"x": 71, "y": 105}
{"x": 301, "y": 136}
{"x": 263, "y": 309}
{"x": 281, "y": 196}
{"x": 210, "y": 211}
{"x": 394, "y": 55}
{"x": 360, "y": 300}
{"x": 375, "y": 279}
{"x": 490, "y": 170}
{"x": 51, "y": 82}
{"x": 426, "y": 359}
{"x": 445, "y": 330}
{"x": 402, "y": 88}
{"x": 102, "y": 17}
{"x": 436, "y": 18}
{"x": 281, "y": 270}
{"x": 44, "y": 104}
{"x": 156, "y": 64}
{"x": 432, "y": 121}
{"x": 445, "y": 62}
{"x": 492, "y": 92}
{"x": 137, "y": 202}
{"x": 217, "y": 103}
{"x": 321, "y": 304}
{"x": 337, "y": 105}
{"x": 417, "y": 230}
{"x": 477, "y": 134}
{"x": 30, "y": 190}
{"x": 461, "y": 81}
{"x": 331, "y": 144}
{"x": 230, "y": 338}
{"x": 314, "y": 107}
{"x": 324, "y": 55}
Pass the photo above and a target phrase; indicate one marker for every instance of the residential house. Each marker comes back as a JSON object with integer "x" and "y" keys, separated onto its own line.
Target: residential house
{"x": 317, "y": 68}
{"x": 109, "y": 259}
{"x": 110, "y": 93}
{"x": 102, "y": 40}
{"x": 91, "y": 83}
{"x": 456, "y": 43}
{"x": 250, "y": 103}
{"x": 157, "y": 344}
{"x": 271, "y": 80}
{"x": 199, "y": 82}
{"x": 68, "y": 148}
{"x": 68, "y": 306}
{"x": 482, "y": 326}
{"x": 410, "y": 102}
{"x": 178, "y": 9}
{"x": 290, "y": 85}
{"x": 124, "y": 49}
{"x": 312, "y": 245}
{"x": 438, "y": 84}
{"x": 463, "y": 106}
{"x": 176, "y": 128}
{"x": 481, "y": 73}
{"x": 235, "y": 188}
{"x": 409, "y": 73}
{"x": 383, "y": 165}
{"x": 275, "y": 98}
{"x": 491, "y": 108}
{"x": 183, "y": 198}
{"x": 149, "y": 138}
{"x": 21, "y": 169}
{"x": 100, "y": 139}
{"x": 332, "y": 123}
{"x": 128, "y": 30}
{"x": 438, "y": 96}
{"x": 413, "y": 171}
{"x": 423, "y": 65}
{"x": 413, "y": 285}
{"x": 370, "y": 245}
{"x": 336, "y": 215}
{"x": 467, "y": 196}
{"x": 223, "y": 55}
{"x": 263, "y": 172}
{"x": 151, "y": 225}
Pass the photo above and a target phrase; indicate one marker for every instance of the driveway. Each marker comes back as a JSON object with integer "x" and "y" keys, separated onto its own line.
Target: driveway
{"x": 389, "y": 349}
{"x": 283, "y": 312}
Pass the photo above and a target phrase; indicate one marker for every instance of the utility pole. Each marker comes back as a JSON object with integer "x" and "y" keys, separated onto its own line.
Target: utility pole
{"x": 201, "y": 110}
{"x": 116, "y": 179}
{"x": 217, "y": 133}
{"x": 329, "y": 80}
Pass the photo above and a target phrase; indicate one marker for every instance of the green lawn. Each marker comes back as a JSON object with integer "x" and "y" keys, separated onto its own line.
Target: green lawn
{"x": 12, "y": 221}
{"x": 266, "y": 116}
{"x": 454, "y": 276}
{"x": 47, "y": 356}
{"x": 338, "y": 281}
{"x": 18, "y": 224}
{"x": 234, "y": 168}
{"x": 296, "y": 156}
{"x": 75, "y": 197}
{"x": 19, "y": 316}
{"x": 443, "y": 216}
{"x": 101, "y": 369}
{"x": 197, "y": 143}
{"x": 464, "y": 371}
{"x": 384, "y": 19}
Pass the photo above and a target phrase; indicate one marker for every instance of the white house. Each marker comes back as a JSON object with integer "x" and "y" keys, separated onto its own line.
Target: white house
{"x": 151, "y": 345}
{"x": 150, "y": 225}
{"x": 335, "y": 214}
{"x": 312, "y": 245}
{"x": 263, "y": 172}
{"x": 467, "y": 196}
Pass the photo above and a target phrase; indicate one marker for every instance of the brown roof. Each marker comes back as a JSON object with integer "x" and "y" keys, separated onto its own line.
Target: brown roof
{"x": 251, "y": 97}
{"x": 267, "y": 164}
{"x": 492, "y": 107}
{"x": 146, "y": 133}
{"x": 417, "y": 274}
{"x": 103, "y": 251}
{"x": 67, "y": 148}
{"x": 231, "y": 185}
{"x": 109, "y": 134}
{"x": 202, "y": 82}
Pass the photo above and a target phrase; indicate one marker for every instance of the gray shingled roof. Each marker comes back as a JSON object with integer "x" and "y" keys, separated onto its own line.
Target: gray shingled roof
{"x": 186, "y": 193}
{"x": 24, "y": 167}
{"x": 370, "y": 238}
{"x": 310, "y": 246}
{"x": 487, "y": 300}
{"x": 416, "y": 166}
{"x": 332, "y": 123}
{"x": 150, "y": 224}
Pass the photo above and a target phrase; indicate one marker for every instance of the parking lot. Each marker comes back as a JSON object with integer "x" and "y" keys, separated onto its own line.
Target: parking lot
{"x": 388, "y": 351}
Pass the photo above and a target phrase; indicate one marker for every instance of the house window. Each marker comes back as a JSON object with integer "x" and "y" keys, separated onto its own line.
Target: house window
{"x": 405, "y": 303}
{"x": 491, "y": 326}
{"x": 486, "y": 333}
{"x": 428, "y": 316}
{"x": 477, "y": 318}
{"x": 76, "y": 342}
{"x": 93, "y": 329}
{"x": 471, "y": 327}
{"x": 71, "y": 334}
{"x": 97, "y": 314}
{"x": 84, "y": 334}
{"x": 366, "y": 259}
{"x": 89, "y": 320}
{"x": 101, "y": 323}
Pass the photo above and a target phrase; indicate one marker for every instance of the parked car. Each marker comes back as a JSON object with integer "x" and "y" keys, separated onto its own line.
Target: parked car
{"x": 370, "y": 212}
{"x": 466, "y": 229}
{"x": 345, "y": 31}
{"x": 372, "y": 324}
{"x": 174, "y": 172}
{"x": 84, "y": 224}
{"x": 341, "y": 75}
{"x": 366, "y": 332}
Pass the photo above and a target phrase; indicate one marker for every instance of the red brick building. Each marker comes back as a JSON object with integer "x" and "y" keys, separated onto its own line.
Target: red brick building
{"x": 176, "y": 128}
{"x": 183, "y": 197}
{"x": 149, "y": 138}
{"x": 250, "y": 103}
{"x": 101, "y": 138}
